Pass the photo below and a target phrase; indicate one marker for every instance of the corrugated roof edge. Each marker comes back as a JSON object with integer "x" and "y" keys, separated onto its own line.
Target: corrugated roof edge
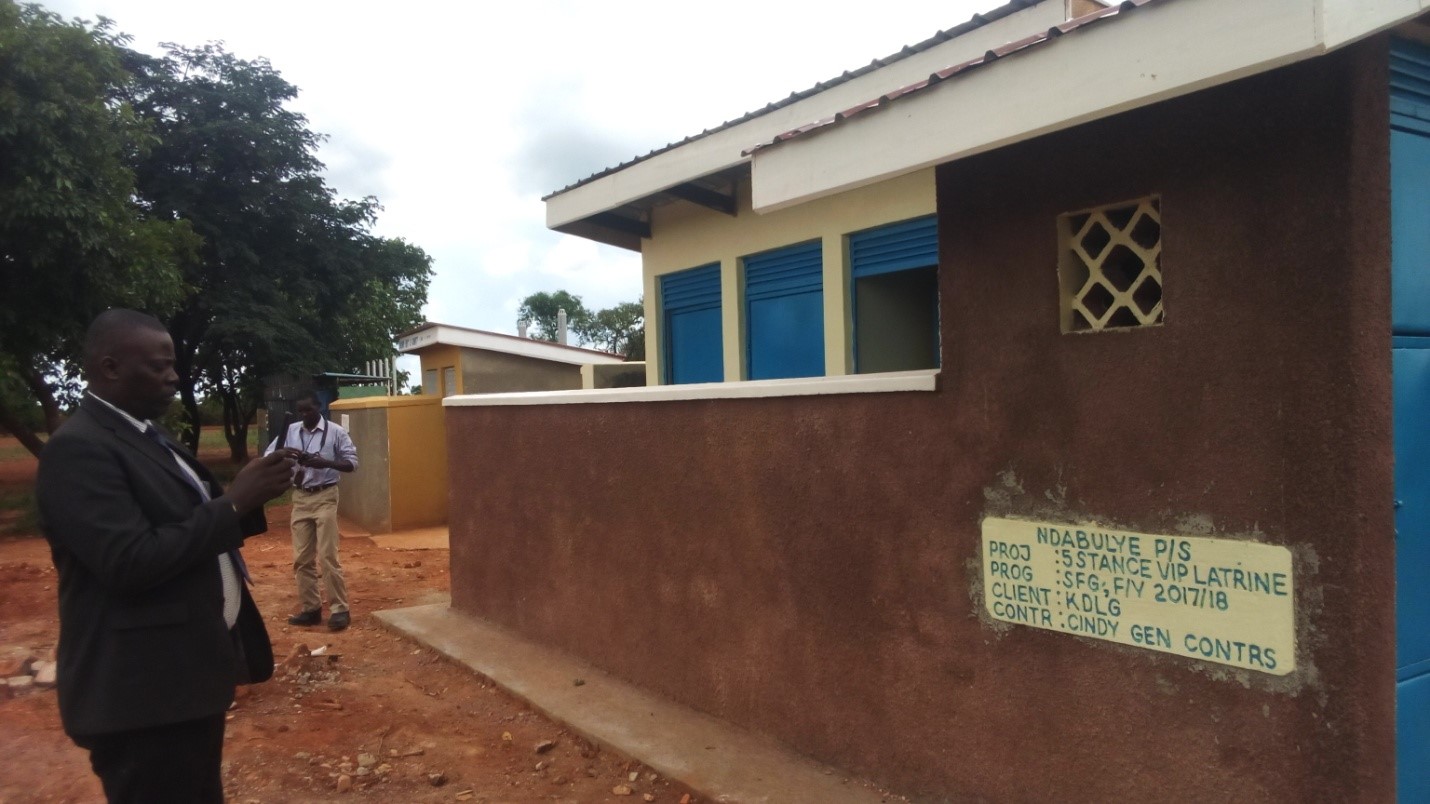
{"x": 977, "y": 21}
{"x": 956, "y": 70}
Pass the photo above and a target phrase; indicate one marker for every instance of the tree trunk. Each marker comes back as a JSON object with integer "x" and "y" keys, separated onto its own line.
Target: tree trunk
{"x": 11, "y": 423}
{"x": 184, "y": 367}
{"x": 191, "y": 409}
{"x": 235, "y": 427}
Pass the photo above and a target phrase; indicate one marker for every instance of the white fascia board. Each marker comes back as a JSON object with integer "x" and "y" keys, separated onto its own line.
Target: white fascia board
{"x": 924, "y": 380}
{"x": 725, "y": 149}
{"x": 493, "y": 342}
{"x": 1347, "y": 21}
{"x": 1157, "y": 52}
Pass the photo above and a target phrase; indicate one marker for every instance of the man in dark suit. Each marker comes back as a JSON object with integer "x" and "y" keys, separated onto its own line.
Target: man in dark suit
{"x": 156, "y": 625}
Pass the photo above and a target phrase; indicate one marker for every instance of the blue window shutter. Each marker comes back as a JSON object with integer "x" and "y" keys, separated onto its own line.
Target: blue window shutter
{"x": 896, "y": 247}
{"x": 694, "y": 350}
{"x": 1410, "y": 187}
{"x": 784, "y": 306}
{"x": 1410, "y": 86}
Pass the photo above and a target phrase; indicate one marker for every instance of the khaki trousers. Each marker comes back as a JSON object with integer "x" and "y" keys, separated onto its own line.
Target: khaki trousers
{"x": 315, "y": 547}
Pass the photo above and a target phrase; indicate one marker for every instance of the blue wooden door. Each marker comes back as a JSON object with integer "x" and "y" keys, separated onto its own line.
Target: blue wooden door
{"x": 694, "y": 348}
{"x": 784, "y": 312}
{"x": 1410, "y": 327}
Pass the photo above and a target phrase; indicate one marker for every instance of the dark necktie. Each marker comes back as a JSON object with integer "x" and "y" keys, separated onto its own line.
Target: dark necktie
{"x": 158, "y": 438}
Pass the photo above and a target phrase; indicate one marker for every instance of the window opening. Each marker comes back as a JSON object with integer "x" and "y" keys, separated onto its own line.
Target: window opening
{"x": 893, "y": 271}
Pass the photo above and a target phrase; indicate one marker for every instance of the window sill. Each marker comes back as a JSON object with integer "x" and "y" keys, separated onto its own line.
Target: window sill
{"x": 892, "y": 382}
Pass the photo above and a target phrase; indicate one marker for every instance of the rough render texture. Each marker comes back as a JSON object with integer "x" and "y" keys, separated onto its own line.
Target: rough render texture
{"x": 489, "y": 372}
{"x": 365, "y": 496}
{"x": 807, "y": 567}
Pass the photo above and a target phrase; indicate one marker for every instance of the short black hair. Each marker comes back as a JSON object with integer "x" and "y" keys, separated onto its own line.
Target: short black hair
{"x": 109, "y": 325}
{"x": 309, "y": 396}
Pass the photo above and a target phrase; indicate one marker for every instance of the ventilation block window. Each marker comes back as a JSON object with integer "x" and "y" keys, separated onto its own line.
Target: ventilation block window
{"x": 1110, "y": 266}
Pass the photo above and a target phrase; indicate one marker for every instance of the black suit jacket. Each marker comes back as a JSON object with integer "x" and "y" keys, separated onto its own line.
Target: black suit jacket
{"x": 142, "y": 636}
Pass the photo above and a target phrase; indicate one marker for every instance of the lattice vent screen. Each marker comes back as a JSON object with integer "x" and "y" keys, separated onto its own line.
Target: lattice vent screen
{"x": 1110, "y": 266}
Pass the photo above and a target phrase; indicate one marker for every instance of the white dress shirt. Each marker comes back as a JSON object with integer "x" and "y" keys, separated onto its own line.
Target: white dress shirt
{"x": 326, "y": 440}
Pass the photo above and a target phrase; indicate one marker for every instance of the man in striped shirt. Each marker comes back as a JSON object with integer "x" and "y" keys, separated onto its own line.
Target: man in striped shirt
{"x": 322, "y": 449}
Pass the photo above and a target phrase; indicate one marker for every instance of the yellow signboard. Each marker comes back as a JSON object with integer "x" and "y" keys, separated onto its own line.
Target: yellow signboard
{"x": 1217, "y": 600}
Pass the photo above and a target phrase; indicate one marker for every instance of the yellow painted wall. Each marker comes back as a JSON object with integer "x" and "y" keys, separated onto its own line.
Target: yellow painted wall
{"x": 417, "y": 445}
{"x": 439, "y": 358}
{"x": 411, "y": 478}
{"x": 688, "y": 236}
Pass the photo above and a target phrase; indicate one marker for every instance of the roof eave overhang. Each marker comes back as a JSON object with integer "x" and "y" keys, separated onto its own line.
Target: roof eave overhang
{"x": 433, "y": 335}
{"x": 574, "y": 209}
{"x": 1161, "y": 51}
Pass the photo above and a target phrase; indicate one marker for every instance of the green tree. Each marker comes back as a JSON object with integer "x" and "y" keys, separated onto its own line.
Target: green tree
{"x": 619, "y": 329}
{"x": 289, "y": 277}
{"x": 73, "y": 240}
{"x": 540, "y": 309}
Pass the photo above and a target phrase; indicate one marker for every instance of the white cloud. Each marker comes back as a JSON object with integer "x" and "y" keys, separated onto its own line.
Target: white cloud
{"x": 460, "y": 116}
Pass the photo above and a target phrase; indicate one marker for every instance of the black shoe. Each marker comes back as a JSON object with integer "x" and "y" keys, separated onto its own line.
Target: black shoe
{"x": 306, "y": 618}
{"x": 339, "y": 621}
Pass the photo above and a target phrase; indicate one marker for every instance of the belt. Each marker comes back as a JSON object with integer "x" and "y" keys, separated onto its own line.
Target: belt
{"x": 313, "y": 489}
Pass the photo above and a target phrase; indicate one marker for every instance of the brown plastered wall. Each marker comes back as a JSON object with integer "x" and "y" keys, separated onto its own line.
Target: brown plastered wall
{"x": 497, "y": 372}
{"x": 807, "y": 566}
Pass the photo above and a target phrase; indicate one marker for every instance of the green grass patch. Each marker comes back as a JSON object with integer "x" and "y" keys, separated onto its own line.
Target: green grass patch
{"x": 18, "y": 512}
{"x": 14, "y": 450}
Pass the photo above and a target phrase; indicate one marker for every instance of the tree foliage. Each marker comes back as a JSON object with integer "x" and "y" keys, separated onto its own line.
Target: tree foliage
{"x": 540, "y": 311}
{"x": 73, "y": 240}
{"x": 290, "y": 278}
{"x": 619, "y": 329}
{"x": 181, "y": 185}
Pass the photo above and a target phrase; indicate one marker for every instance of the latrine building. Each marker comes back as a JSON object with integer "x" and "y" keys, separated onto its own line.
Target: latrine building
{"x": 1037, "y": 413}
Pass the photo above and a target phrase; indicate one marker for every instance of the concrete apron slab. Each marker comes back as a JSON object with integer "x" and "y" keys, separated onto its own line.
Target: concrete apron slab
{"x": 717, "y": 760}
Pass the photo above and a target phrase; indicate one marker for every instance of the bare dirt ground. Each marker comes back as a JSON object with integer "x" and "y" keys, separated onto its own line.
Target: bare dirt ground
{"x": 384, "y": 721}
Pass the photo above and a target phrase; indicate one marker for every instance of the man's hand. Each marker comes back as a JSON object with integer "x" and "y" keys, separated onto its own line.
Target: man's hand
{"x": 315, "y": 461}
{"x": 260, "y": 481}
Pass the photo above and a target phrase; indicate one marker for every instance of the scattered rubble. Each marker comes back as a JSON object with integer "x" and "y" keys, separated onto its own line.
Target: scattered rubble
{"x": 22, "y": 670}
{"x": 384, "y": 721}
{"x": 16, "y": 661}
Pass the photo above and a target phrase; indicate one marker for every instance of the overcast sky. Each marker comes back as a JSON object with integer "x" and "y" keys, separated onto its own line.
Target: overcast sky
{"x": 459, "y": 116}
